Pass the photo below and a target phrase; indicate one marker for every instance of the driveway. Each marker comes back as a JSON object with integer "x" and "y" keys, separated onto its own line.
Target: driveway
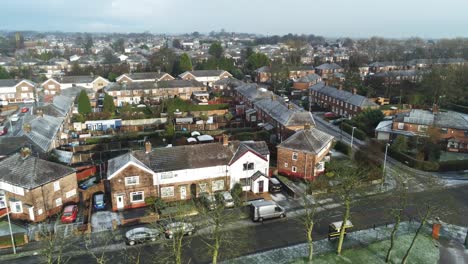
{"x": 102, "y": 221}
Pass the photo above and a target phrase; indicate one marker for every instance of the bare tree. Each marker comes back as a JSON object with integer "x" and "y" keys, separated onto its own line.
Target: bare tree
{"x": 428, "y": 211}
{"x": 55, "y": 244}
{"x": 346, "y": 177}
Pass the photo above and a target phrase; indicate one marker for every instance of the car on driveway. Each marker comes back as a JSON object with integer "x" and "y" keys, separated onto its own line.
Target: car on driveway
{"x": 274, "y": 185}
{"x": 226, "y": 198}
{"x": 3, "y": 130}
{"x": 14, "y": 118}
{"x": 99, "y": 201}
{"x": 24, "y": 110}
{"x": 330, "y": 115}
{"x": 69, "y": 214}
{"x": 87, "y": 183}
{"x": 173, "y": 228}
{"x": 208, "y": 200}
{"x": 140, "y": 235}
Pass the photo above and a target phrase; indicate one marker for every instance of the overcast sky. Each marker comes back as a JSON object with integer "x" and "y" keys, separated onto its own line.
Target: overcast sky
{"x": 354, "y": 18}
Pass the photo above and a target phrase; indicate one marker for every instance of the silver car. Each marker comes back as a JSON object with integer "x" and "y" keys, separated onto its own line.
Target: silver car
{"x": 178, "y": 227}
{"x": 140, "y": 235}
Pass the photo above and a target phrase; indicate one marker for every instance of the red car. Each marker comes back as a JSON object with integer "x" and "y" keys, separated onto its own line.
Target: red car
{"x": 330, "y": 114}
{"x": 70, "y": 212}
{"x": 24, "y": 110}
{"x": 3, "y": 130}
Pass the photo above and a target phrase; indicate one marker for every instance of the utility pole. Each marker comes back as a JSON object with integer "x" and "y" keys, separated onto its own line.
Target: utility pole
{"x": 11, "y": 232}
{"x": 352, "y": 138}
{"x": 384, "y": 165}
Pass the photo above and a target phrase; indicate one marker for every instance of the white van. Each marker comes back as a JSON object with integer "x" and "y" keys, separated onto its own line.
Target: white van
{"x": 261, "y": 210}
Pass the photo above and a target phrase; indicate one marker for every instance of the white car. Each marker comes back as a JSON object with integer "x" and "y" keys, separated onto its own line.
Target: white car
{"x": 14, "y": 118}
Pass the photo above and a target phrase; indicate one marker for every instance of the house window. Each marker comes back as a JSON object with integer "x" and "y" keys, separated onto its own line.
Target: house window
{"x": 401, "y": 125}
{"x": 285, "y": 164}
{"x": 245, "y": 181}
{"x": 203, "y": 187}
{"x": 443, "y": 130}
{"x": 24, "y": 88}
{"x": 166, "y": 175}
{"x": 217, "y": 185}
{"x": 466, "y": 133}
{"x": 70, "y": 193}
{"x": 167, "y": 191}
{"x": 136, "y": 197}
{"x": 40, "y": 211}
{"x": 248, "y": 166}
{"x": 2, "y": 201}
{"x": 132, "y": 180}
{"x": 294, "y": 169}
{"x": 422, "y": 128}
{"x": 56, "y": 186}
{"x": 16, "y": 207}
{"x": 294, "y": 156}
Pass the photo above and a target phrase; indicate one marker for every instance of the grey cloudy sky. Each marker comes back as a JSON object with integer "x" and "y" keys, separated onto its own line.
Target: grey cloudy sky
{"x": 355, "y": 18}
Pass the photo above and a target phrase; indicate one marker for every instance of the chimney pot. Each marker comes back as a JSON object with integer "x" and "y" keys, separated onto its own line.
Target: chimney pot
{"x": 435, "y": 108}
{"x": 354, "y": 90}
{"x": 307, "y": 126}
{"x": 148, "y": 147}
{"x": 25, "y": 152}
{"x": 225, "y": 140}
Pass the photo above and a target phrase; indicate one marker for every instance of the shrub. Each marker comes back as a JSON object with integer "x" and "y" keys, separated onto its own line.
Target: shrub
{"x": 414, "y": 163}
{"x": 453, "y": 165}
{"x": 359, "y": 134}
{"x": 343, "y": 148}
{"x": 236, "y": 193}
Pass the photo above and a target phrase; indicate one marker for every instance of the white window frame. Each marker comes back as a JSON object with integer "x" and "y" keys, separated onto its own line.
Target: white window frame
{"x": 70, "y": 193}
{"x": 132, "y": 180}
{"x": 168, "y": 191}
{"x": 401, "y": 125}
{"x": 286, "y": 164}
{"x": 56, "y": 186}
{"x": 137, "y": 193}
{"x": 203, "y": 187}
{"x": 294, "y": 156}
{"x": 3, "y": 203}
{"x": 13, "y": 207}
{"x": 422, "y": 128}
{"x": 40, "y": 211}
{"x": 293, "y": 168}
{"x": 217, "y": 185}
{"x": 24, "y": 88}
{"x": 58, "y": 202}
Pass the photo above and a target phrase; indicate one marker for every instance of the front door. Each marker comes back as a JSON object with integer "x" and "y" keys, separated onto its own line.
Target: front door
{"x": 31, "y": 213}
{"x": 120, "y": 202}
{"x": 260, "y": 186}
{"x": 183, "y": 192}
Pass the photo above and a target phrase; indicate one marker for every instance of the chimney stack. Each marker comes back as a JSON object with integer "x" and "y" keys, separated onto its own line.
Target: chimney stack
{"x": 290, "y": 106}
{"x": 354, "y": 90}
{"x": 148, "y": 147}
{"x": 40, "y": 113}
{"x": 435, "y": 108}
{"x": 307, "y": 126}
{"x": 225, "y": 140}
{"x": 25, "y": 152}
{"x": 27, "y": 128}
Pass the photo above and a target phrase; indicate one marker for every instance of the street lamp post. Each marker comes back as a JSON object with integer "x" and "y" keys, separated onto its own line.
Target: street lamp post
{"x": 11, "y": 232}
{"x": 352, "y": 138}
{"x": 384, "y": 164}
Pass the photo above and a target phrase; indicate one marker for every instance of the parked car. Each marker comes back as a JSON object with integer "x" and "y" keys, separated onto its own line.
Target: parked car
{"x": 338, "y": 121}
{"x": 266, "y": 210}
{"x": 69, "y": 214}
{"x": 178, "y": 227}
{"x": 3, "y": 130}
{"x": 274, "y": 185}
{"x": 226, "y": 198}
{"x": 329, "y": 114}
{"x": 140, "y": 235}
{"x": 87, "y": 183}
{"x": 24, "y": 110}
{"x": 208, "y": 200}
{"x": 334, "y": 228}
{"x": 14, "y": 118}
{"x": 99, "y": 202}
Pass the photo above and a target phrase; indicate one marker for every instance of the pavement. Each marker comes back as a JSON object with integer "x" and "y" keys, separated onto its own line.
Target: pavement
{"x": 102, "y": 220}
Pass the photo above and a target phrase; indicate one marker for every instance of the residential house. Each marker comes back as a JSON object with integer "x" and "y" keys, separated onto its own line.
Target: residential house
{"x": 184, "y": 172}
{"x": 263, "y": 74}
{"x": 86, "y": 81}
{"x": 305, "y": 82}
{"x": 17, "y": 90}
{"x": 397, "y": 76}
{"x": 303, "y": 154}
{"x": 207, "y": 77}
{"x": 225, "y": 86}
{"x": 51, "y": 87}
{"x": 144, "y": 77}
{"x": 133, "y": 92}
{"x": 33, "y": 188}
{"x": 450, "y": 127}
{"x": 327, "y": 70}
{"x": 344, "y": 103}
{"x": 264, "y": 108}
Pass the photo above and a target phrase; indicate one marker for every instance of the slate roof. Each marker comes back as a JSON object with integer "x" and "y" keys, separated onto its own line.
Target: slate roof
{"x": 145, "y": 75}
{"x": 176, "y": 83}
{"x": 8, "y": 82}
{"x": 43, "y": 130}
{"x": 345, "y": 96}
{"x": 77, "y": 79}
{"x": 307, "y": 140}
{"x": 61, "y": 105}
{"x": 448, "y": 119}
{"x": 263, "y": 69}
{"x": 186, "y": 157}
{"x": 204, "y": 73}
{"x": 10, "y": 145}
{"x": 329, "y": 66}
{"x": 309, "y": 78}
{"x": 31, "y": 172}
{"x": 257, "y": 175}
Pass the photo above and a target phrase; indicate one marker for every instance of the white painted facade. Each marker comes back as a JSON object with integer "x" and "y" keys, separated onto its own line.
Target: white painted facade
{"x": 238, "y": 172}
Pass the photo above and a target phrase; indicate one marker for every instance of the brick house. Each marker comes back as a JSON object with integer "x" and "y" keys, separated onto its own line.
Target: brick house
{"x": 305, "y": 82}
{"x": 344, "y": 103}
{"x": 263, "y": 74}
{"x": 51, "y": 87}
{"x": 16, "y": 90}
{"x": 35, "y": 189}
{"x": 86, "y": 81}
{"x": 207, "y": 77}
{"x": 133, "y": 92}
{"x": 327, "y": 70}
{"x": 303, "y": 155}
{"x": 451, "y": 127}
{"x": 144, "y": 77}
{"x": 183, "y": 172}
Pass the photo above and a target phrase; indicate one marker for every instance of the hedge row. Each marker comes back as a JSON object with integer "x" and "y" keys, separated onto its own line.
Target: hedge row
{"x": 343, "y": 148}
{"x": 412, "y": 162}
{"x": 453, "y": 165}
{"x": 358, "y": 133}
